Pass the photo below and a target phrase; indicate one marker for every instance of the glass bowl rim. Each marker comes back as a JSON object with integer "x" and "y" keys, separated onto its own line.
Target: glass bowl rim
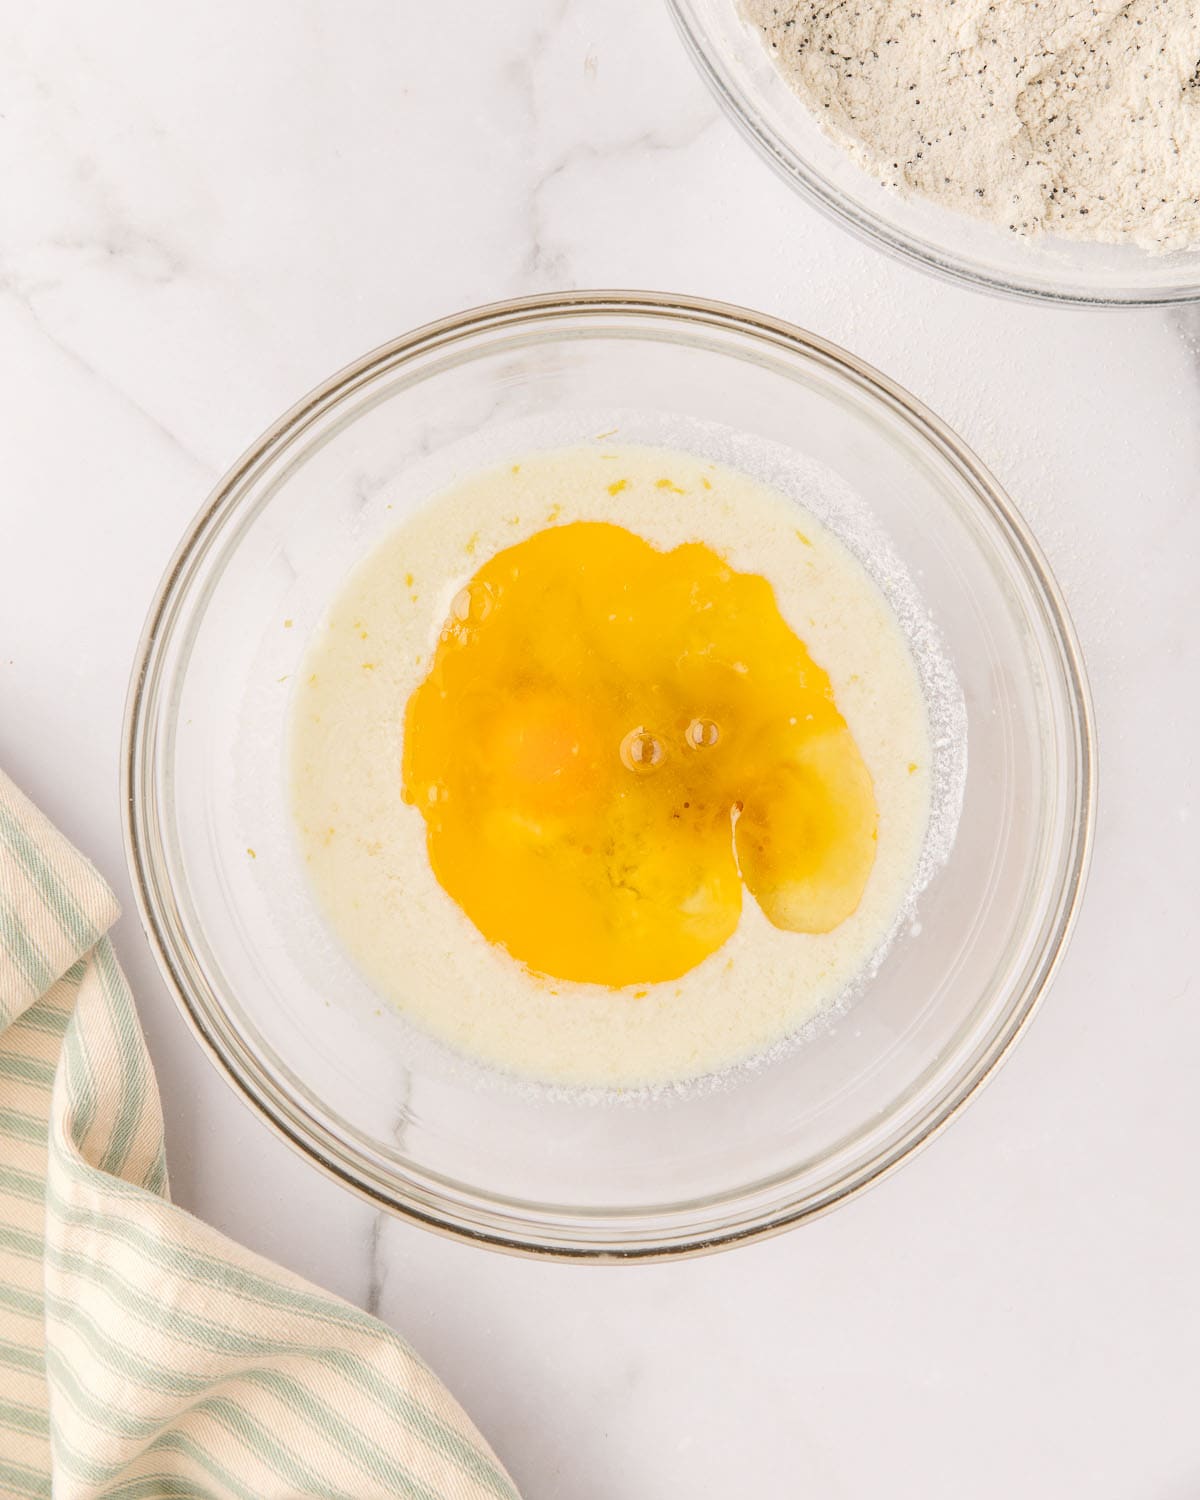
{"x": 873, "y": 228}
{"x": 140, "y": 819}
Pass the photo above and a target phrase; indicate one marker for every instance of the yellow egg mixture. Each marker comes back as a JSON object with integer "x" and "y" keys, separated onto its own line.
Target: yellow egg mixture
{"x": 612, "y": 739}
{"x": 611, "y": 767}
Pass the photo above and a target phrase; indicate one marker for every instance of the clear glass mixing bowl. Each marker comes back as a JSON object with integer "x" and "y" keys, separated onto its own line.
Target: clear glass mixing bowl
{"x": 739, "y": 69}
{"x": 344, "y": 1078}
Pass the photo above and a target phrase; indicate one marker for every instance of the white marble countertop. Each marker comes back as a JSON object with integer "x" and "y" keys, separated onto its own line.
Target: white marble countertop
{"x": 204, "y": 210}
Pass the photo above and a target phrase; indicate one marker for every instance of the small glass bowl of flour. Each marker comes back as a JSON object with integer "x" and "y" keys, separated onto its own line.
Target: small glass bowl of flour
{"x": 1036, "y": 151}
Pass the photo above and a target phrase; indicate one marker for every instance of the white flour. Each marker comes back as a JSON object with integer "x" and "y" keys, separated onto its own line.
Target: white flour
{"x": 1078, "y": 119}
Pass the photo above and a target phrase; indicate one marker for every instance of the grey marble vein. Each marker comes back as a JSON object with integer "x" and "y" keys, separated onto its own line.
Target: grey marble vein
{"x": 8, "y": 288}
{"x": 377, "y": 1266}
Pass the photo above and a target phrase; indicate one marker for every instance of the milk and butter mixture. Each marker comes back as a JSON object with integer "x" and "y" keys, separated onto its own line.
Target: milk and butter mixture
{"x": 611, "y": 767}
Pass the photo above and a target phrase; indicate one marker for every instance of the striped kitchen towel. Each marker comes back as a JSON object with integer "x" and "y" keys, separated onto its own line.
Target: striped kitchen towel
{"x": 142, "y": 1354}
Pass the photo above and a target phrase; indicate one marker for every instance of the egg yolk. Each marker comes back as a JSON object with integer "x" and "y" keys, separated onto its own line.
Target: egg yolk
{"x": 613, "y": 740}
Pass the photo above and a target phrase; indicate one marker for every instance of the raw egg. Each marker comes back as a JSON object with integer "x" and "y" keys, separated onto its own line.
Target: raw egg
{"x": 613, "y": 741}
